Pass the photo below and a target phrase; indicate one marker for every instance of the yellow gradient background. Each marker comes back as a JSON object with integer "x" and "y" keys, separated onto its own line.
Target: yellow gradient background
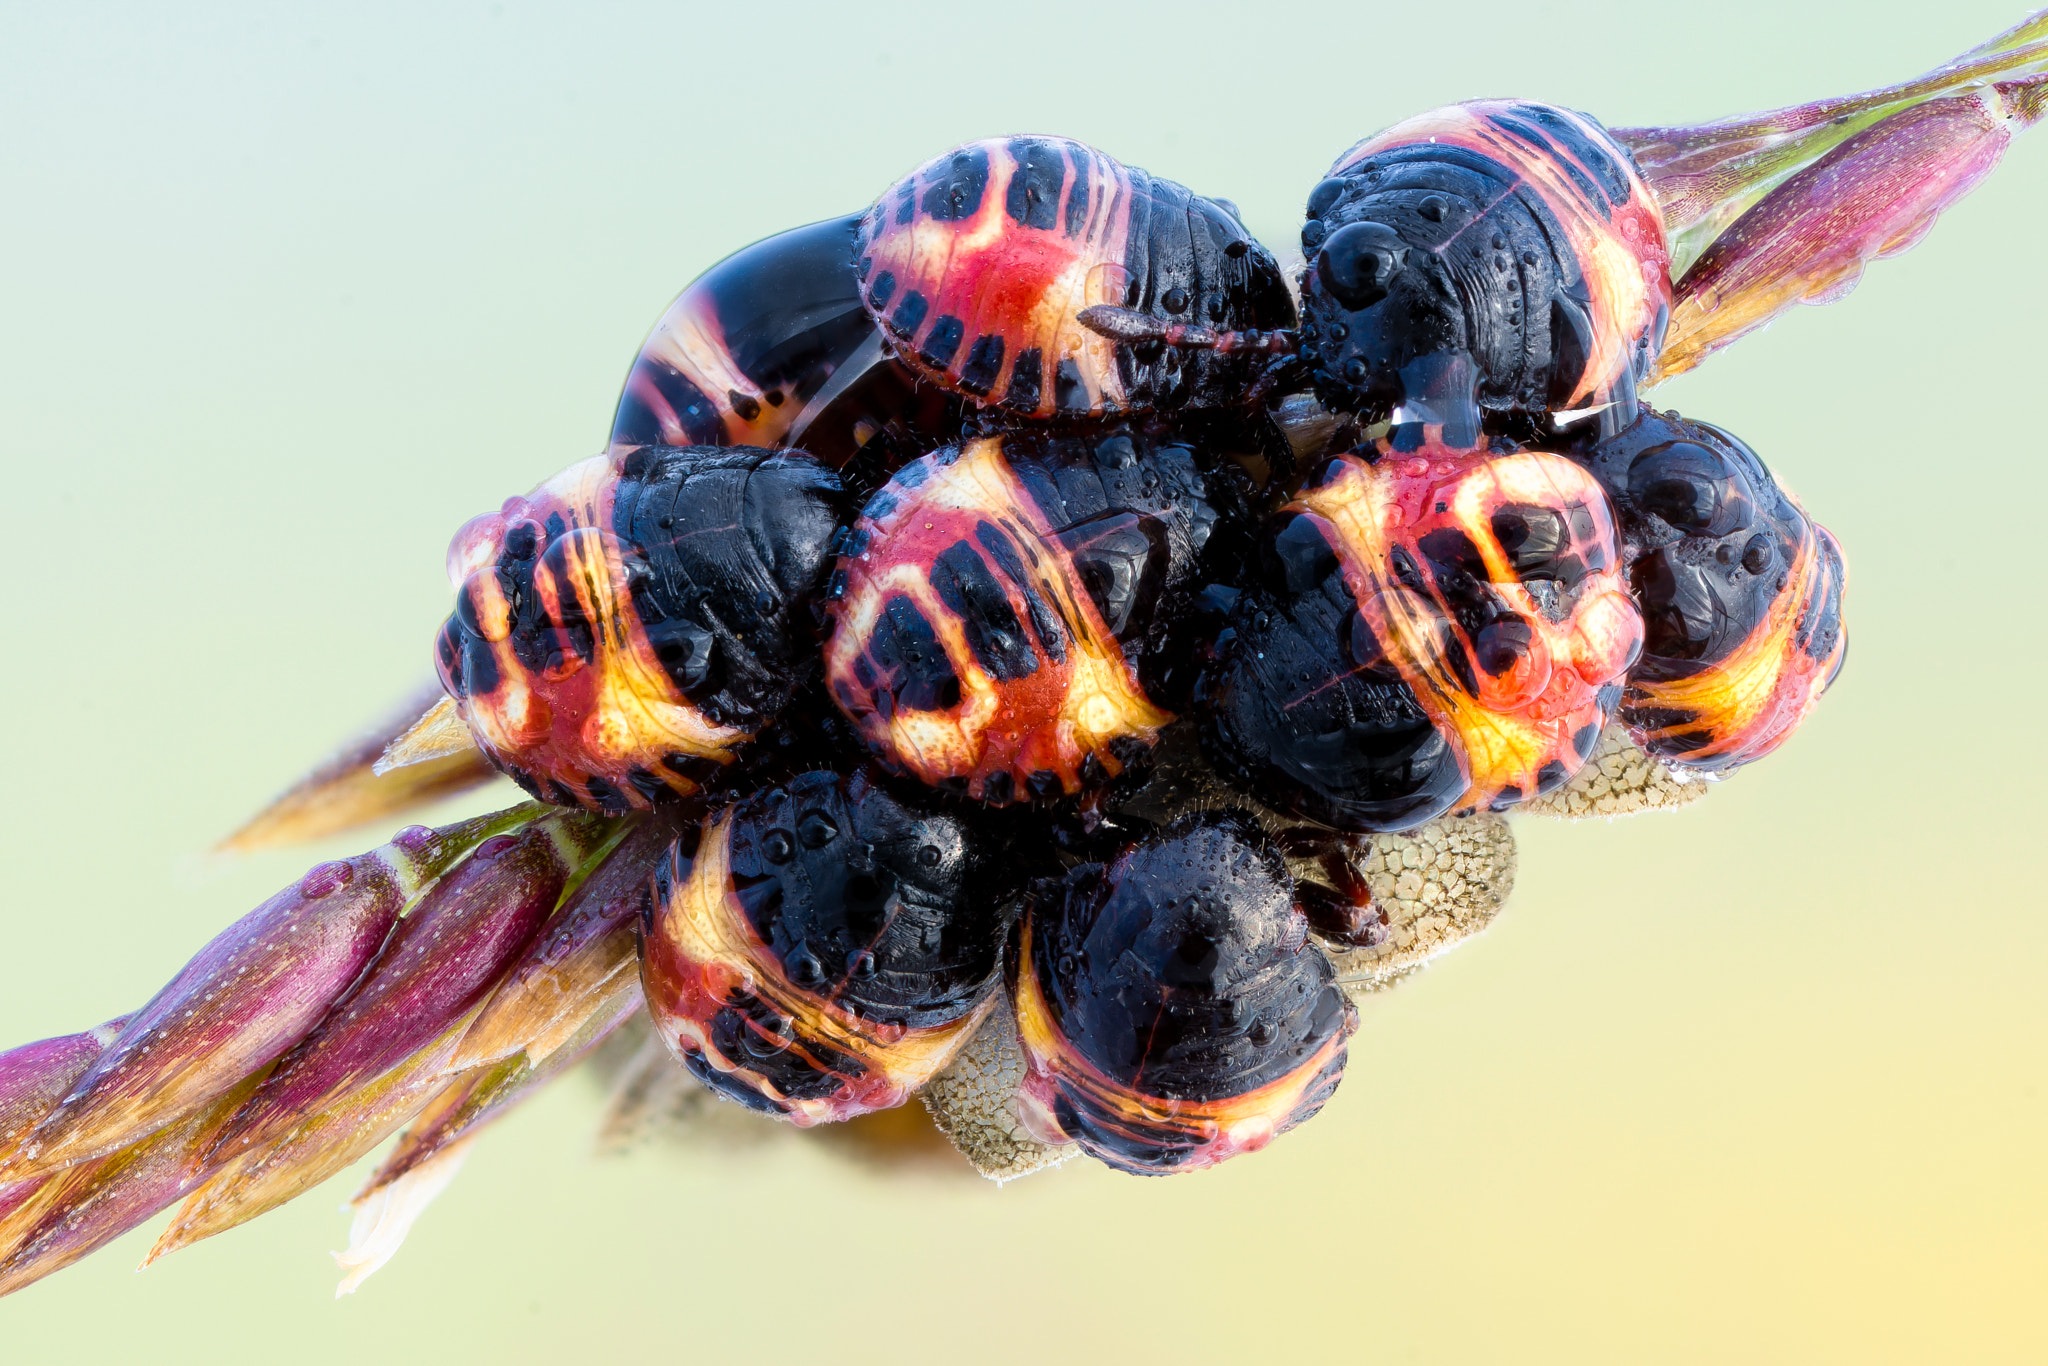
{"x": 286, "y": 295}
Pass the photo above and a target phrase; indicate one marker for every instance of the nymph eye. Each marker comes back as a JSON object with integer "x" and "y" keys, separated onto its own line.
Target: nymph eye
{"x": 1324, "y": 196}
{"x": 1359, "y": 261}
{"x": 816, "y": 830}
{"x": 1684, "y": 500}
{"x": 1467, "y": 229}
{"x": 803, "y": 967}
{"x": 1756, "y": 555}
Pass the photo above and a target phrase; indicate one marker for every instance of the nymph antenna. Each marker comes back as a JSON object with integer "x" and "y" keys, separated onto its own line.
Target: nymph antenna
{"x": 1129, "y": 325}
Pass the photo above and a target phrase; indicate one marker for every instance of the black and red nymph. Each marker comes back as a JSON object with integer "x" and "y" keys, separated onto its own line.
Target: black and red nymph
{"x": 1026, "y": 645}
{"x": 987, "y": 489}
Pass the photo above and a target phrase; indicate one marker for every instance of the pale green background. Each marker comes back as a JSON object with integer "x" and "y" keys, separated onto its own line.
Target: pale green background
{"x": 284, "y": 297}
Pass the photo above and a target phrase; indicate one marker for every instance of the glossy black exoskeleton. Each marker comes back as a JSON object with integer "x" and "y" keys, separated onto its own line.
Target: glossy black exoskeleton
{"x": 1172, "y": 1008}
{"x": 982, "y": 264}
{"x": 1741, "y": 592}
{"x": 622, "y": 629}
{"x": 1003, "y": 610}
{"x": 819, "y": 949}
{"x": 773, "y": 347}
{"x": 1493, "y": 256}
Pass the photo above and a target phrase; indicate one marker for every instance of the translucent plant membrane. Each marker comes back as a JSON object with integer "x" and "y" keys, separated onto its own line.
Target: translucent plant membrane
{"x": 1768, "y": 210}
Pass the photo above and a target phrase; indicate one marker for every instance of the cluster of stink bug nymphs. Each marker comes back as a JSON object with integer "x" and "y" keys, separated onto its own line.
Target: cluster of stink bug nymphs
{"x": 1024, "y": 649}
{"x": 1052, "y": 621}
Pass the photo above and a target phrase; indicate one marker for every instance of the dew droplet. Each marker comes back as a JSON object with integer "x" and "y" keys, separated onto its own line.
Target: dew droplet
{"x": 325, "y": 880}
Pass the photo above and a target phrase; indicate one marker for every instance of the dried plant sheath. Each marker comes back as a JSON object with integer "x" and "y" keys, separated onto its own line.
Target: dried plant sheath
{"x": 86, "y": 1206}
{"x": 438, "y": 967}
{"x": 35, "y": 1076}
{"x": 1874, "y": 195}
{"x": 310, "y": 1148}
{"x": 383, "y": 1219}
{"x": 245, "y": 999}
{"x": 347, "y": 790}
{"x": 1705, "y": 176}
{"x": 486, "y": 1094}
{"x": 581, "y": 956}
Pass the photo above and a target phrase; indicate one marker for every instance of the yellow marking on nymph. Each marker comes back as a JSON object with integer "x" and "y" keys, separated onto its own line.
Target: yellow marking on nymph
{"x": 990, "y": 250}
{"x": 627, "y": 714}
{"x": 1621, "y": 282}
{"x": 691, "y": 338}
{"x": 1741, "y": 700}
{"x": 704, "y": 924}
{"x": 1497, "y": 748}
{"x": 1102, "y": 699}
{"x": 1242, "y": 1122}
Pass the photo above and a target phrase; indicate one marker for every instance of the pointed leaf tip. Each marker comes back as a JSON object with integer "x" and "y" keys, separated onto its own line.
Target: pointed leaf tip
{"x": 349, "y": 790}
{"x": 84, "y": 1207}
{"x": 2025, "y": 101}
{"x": 347, "y": 1128}
{"x": 385, "y": 1216}
{"x": 439, "y": 733}
{"x": 1706, "y": 176}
